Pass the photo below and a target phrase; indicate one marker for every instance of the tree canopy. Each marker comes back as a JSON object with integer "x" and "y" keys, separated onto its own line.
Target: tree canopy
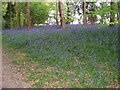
{"x": 14, "y": 15}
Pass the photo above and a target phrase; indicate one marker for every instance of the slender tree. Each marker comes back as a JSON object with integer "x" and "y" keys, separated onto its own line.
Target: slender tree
{"x": 118, "y": 15}
{"x": 69, "y": 12}
{"x": 112, "y": 14}
{"x": 56, "y": 17}
{"x": 10, "y": 14}
{"x": 28, "y": 15}
{"x": 84, "y": 12}
{"x": 18, "y": 15}
{"x": 61, "y": 11}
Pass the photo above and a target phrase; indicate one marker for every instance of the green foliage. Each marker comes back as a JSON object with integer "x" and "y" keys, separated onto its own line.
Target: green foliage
{"x": 118, "y": 12}
{"x": 68, "y": 13}
{"x": 9, "y": 14}
{"x": 39, "y": 12}
{"x": 22, "y": 13}
{"x": 106, "y": 12}
{"x": 92, "y": 7}
{"x": 4, "y": 6}
{"x": 101, "y": 11}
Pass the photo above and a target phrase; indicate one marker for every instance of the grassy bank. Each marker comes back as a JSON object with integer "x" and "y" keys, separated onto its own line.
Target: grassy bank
{"x": 75, "y": 57}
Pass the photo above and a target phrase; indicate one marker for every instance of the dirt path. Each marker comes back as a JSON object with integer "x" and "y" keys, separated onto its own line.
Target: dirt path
{"x": 11, "y": 78}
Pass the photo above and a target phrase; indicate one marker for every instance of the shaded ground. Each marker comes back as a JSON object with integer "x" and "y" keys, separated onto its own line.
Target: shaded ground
{"x": 11, "y": 78}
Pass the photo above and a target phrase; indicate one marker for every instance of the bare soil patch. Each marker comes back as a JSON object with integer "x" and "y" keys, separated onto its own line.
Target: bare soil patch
{"x": 11, "y": 78}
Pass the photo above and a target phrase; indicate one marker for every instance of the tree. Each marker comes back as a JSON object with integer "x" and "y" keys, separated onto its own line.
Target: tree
{"x": 118, "y": 15}
{"x": 91, "y": 17}
{"x": 0, "y": 14}
{"x": 23, "y": 14}
{"x": 56, "y": 17}
{"x": 18, "y": 15}
{"x": 28, "y": 15}
{"x": 4, "y": 6}
{"x": 112, "y": 13}
{"x": 39, "y": 12}
{"x": 84, "y": 12}
{"x": 69, "y": 13}
{"x": 61, "y": 11}
{"x": 103, "y": 12}
{"x": 10, "y": 14}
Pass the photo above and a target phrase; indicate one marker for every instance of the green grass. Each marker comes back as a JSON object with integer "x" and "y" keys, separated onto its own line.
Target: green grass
{"x": 77, "y": 57}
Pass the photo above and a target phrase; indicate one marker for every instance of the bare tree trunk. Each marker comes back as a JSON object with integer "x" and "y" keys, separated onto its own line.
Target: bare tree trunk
{"x": 61, "y": 11}
{"x": 112, "y": 14}
{"x": 84, "y": 12}
{"x": 28, "y": 15}
{"x": 18, "y": 15}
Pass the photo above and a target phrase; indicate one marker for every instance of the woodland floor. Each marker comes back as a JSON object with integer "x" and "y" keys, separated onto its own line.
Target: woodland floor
{"x": 11, "y": 78}
{"x": 16, "y": 62}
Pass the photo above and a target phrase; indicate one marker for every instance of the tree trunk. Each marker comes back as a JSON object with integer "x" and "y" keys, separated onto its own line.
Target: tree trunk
{"x": 61, "y": 11}
{"x": 92, "y": 19}
{"x": 112, "y": 14}
{"x": 28, "y": 15}
{"x": 10, "y": 15}
{"x": 84, "y": 12}
{"x": 18, "y": 15}
{"x": 118, "y": 15}
{"x": 56, "y": 18}
{"x": 1, "y": 16}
